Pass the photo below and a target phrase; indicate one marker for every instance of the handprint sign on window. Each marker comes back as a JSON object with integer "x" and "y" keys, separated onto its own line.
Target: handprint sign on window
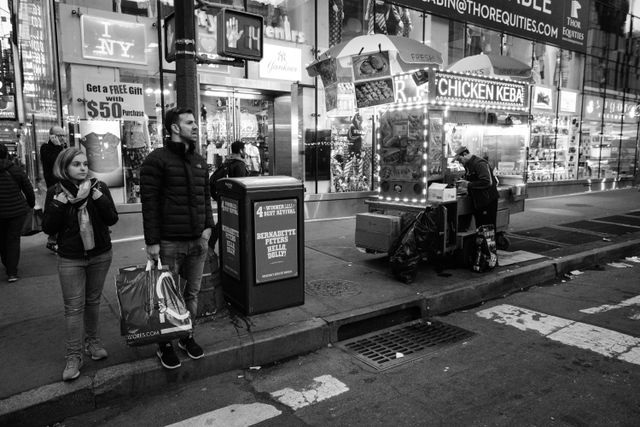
{"x": 233, "y": 35}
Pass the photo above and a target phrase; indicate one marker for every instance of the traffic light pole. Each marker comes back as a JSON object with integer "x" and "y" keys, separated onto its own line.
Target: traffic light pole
{"x": 186, "y": 71}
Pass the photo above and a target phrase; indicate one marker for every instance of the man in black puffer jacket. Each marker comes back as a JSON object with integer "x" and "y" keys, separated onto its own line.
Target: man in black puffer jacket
{"x": 16, "y": 198}
{"x": 177, "y": 215}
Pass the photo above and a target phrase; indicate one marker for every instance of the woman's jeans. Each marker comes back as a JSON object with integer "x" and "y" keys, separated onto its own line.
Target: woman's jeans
{"x": 82, "y": 281}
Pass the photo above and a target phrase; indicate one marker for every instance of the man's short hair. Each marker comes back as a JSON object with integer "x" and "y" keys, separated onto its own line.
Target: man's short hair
{"x": 236, "y": 147}
{"x": 172, "y": 116}
{"x": 4, "y": 151}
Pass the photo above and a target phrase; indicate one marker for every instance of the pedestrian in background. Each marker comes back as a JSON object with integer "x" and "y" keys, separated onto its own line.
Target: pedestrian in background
{"x": 79, "y": 211}
{"x": 481, "y": 185}
{"x": 16, "y": 199}
{"x": 48, "y": 153}
{"x": 177, "y": 215}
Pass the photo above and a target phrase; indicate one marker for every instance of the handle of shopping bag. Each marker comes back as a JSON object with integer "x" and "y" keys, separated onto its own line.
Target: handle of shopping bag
{"x": 151, "y": 263}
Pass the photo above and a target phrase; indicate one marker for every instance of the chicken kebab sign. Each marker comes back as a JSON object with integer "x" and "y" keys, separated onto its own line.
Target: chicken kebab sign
{"x": 372, "y": 79}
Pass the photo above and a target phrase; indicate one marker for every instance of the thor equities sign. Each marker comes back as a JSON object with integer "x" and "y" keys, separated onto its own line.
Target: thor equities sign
{"x": 560, "y": 22}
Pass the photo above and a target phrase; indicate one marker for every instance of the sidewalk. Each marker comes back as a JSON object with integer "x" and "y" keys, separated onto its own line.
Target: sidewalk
{"x": 344, "y": 287}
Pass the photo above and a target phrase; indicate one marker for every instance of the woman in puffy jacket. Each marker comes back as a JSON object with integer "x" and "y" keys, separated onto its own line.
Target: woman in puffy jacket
{"x": 79, "y": 211}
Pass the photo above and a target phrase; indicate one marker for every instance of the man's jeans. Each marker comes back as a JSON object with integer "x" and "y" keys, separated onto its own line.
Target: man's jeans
{"x": 187, "y": 259}
{"x": 82, "y": 281}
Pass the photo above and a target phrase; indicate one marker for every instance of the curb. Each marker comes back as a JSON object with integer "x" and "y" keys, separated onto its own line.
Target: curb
{"x": 53, "y": 402}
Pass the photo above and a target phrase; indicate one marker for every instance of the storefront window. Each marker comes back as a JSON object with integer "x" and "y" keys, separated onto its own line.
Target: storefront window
{"x": 629, "y": 141}
{"x": 518, "y": 48}
{"x": 480, "y": 40}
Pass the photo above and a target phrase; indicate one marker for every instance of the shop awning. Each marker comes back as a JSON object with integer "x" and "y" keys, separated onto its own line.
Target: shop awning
{"x": 494, "y": 66}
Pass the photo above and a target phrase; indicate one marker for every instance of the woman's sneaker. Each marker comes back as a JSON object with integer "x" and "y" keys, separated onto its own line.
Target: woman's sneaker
{"x": 72, "y": 370}
{"x": 95, "y": 349}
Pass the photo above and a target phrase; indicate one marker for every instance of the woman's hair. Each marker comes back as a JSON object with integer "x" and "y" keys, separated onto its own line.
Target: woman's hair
{"x": 63, "y": 161}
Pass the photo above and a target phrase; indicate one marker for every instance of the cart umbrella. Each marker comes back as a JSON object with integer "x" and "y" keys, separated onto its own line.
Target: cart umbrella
{"x": 406, "y": 55}
{"x": 493, "y": 66}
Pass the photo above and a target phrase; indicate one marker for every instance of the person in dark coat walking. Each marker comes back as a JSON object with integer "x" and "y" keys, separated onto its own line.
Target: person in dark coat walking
{"x": 481, "y": 185}
{"x": 177, "y": 215}
{"x": 16, "y": 199}
{"x": 48, "y": 154}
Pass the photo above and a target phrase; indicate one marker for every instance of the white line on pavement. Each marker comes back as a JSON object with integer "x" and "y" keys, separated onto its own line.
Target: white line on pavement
{"x": 232, "y": 416}
{"x": 600, "y": 340}
{"x": 322, "y": 388}
{"x": 608, "y": 307}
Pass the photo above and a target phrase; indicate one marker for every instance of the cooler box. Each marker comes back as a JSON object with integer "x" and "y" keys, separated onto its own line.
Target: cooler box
{"x": 376, "y": 231}
{"x": 440, "y": 193}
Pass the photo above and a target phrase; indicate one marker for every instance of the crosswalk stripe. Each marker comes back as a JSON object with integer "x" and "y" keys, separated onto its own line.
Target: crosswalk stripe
{"x": 323, "y": 387}
{"x": 608, "y": 307}
{"x": 232, "y": 416}
{"x": 589, "y": 337}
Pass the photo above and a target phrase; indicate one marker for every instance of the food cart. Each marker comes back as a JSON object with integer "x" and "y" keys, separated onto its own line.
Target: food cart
{"x": 416, "y": 140}
{"x": 422, "y": 115}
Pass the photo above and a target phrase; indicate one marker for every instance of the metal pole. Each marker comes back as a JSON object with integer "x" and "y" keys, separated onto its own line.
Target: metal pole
{"x": 186, "y": 72}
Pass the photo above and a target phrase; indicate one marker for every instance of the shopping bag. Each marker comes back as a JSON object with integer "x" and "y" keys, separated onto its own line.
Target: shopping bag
{"x": 152, "y": 307}
{"x": 32, "y": 223}
{"x": 486, "y": 255}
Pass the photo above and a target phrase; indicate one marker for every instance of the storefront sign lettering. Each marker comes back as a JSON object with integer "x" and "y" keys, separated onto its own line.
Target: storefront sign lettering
{"x": 276, "y": 239}
{"x": 110, "y": 40}
{"x": 560, "y": 22}
{"x": 460, "y": 88}
{"x": 109, "y": 101}
{"x": 282, "y": 63}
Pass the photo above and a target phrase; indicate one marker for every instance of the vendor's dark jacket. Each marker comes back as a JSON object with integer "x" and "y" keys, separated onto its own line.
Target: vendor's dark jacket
{"x": 16, "y": 191}
{"x": 48, "y": 154}
{"x": 482, "y": 187}
{"x": 61, "y": 219}
{"x": 174, "y": 190}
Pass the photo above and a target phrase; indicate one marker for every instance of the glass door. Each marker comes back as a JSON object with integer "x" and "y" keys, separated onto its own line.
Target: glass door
{"x": 229, "y": 116}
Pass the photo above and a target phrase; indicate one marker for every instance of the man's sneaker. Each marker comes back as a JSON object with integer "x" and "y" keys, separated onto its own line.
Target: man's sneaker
{"x": 192, "y": 348}
{"x": 168, "y": 356}
{"x": 95, "y": 349}
{"x": 72, "y": 370}
{"x": 12, "y": 279}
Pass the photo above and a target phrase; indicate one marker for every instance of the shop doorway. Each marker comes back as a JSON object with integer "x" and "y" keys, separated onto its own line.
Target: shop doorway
{"x": 247, "y": 116}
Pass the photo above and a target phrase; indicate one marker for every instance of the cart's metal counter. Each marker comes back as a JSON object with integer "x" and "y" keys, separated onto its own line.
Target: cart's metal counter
{"x": 511, "y": 201}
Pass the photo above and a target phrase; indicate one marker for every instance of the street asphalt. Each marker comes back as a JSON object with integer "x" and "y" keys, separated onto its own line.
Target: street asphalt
{"x": 347, "y": 292}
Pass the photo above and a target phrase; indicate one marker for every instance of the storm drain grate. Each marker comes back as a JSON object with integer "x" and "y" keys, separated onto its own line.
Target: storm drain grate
{"x": 403, "y": 343}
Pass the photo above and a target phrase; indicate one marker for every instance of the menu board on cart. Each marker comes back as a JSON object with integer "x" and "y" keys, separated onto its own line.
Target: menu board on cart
{"x": 402, "y": 145}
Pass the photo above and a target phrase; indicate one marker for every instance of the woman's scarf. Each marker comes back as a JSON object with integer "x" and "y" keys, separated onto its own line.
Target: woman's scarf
{"x": 84, "y": 220}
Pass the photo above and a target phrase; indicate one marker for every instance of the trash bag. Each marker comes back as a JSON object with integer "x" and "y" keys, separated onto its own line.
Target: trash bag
{"x": 403, "y": 253}
{"x": 152, "y": 307}
{"x": 486, "y": 252}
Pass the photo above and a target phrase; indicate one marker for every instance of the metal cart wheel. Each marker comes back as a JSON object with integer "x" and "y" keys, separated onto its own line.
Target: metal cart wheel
{"x": 502, "y": 241}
